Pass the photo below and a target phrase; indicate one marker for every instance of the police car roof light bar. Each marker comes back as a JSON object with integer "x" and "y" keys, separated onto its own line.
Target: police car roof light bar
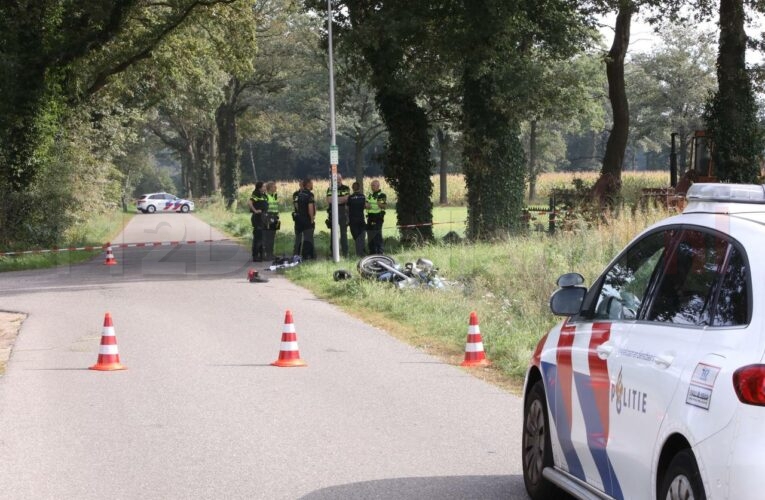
{"x": 730, "y": 193}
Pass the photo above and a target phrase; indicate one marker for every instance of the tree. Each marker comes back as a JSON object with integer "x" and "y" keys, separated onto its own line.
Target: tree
{"x": 669, "y": 88}
{"x": 732, "y": 112}
{"x": 357, "y": 116}
{"x": 52, "y": 56}
{"x": 392, "y": 38}
{"x": 568, "y": 97}
{"x": 501, "y": 42}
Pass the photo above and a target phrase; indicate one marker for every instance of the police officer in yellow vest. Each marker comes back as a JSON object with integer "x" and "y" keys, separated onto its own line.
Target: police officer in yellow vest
{"x": 272, "y": 221}
{"x": 376, "y": 203}
{"x": 258, "y": 204}
{"x": 343, "y": 192}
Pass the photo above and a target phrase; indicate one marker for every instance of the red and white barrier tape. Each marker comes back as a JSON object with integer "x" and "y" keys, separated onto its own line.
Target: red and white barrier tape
{"x": 113, "y": 246}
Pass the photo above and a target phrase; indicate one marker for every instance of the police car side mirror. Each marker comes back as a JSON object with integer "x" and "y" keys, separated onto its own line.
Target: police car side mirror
{"x": 570, "y": 279}
{"x": 567, "y": 300}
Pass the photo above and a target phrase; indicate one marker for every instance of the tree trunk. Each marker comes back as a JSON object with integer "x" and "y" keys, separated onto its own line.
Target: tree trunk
{"x": 732, "y": 114}
{"x": 533, "y": 161}
{"x": 225, "y": 119}
{"x": 408, "y": 166}
{"x": 608, "y": 185}
{"x": 214, "y": 165}
{"x": 493, "y": 161}
{"x": 444, "y": 143}
{"x": 252, "y": 163}
{"x": 358, "y": 157}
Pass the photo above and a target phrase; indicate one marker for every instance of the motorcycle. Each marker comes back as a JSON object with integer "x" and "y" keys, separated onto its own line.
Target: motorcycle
{"x": 420, "y": 274}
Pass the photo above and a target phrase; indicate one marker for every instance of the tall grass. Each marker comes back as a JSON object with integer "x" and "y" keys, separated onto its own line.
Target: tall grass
{"x": 632, "y": 184}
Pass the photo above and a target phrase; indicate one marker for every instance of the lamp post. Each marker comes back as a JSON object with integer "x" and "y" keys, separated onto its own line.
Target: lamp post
{"x": 333, "y": 153}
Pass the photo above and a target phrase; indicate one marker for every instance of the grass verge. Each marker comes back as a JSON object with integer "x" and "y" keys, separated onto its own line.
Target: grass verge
{"x": 96, "y": 231}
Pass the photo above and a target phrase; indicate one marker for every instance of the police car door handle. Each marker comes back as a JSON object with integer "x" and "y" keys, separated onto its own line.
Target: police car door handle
{"x": 604, "y": 350}
{"x": 664, "y": 360}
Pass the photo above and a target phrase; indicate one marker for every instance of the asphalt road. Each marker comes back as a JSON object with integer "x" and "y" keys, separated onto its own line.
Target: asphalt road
{"x": 201, "y": 413}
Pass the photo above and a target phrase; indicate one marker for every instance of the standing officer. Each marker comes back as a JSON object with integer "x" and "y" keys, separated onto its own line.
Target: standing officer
{"x": 258, "y": 204}
{"x": 304, "y": 215}
{"x": 272, "y": 221}
{"x": 343, "y": 192}
{"x": 376, "y": 202}
{"x": 356, "y": 204}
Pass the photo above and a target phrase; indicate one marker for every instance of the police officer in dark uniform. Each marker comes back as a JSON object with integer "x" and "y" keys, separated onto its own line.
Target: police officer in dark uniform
{"x": 258, "y": 204}
{"x": 343, "y": 192}
{"x": 304, "y": 215}
{"x": 376, "y": 202}
{"x": 356, "y": 205}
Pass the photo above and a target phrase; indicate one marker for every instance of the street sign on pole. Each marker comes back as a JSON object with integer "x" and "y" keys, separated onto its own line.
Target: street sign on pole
{"x": 334, "y": 156}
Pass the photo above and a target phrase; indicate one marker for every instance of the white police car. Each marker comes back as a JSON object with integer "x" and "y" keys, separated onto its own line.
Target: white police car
{"x": 654, "y": 385}
{"x": 163, "y": 202}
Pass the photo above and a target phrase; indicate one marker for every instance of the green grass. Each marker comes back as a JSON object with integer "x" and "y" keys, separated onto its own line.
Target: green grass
{"x": 508, "y": 285}
{"x": 94, "y": 232}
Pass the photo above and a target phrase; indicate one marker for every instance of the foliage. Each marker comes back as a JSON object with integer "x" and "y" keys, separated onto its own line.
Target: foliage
{"x": 732, "y": 112}
{"x": 498, "y": 84}
{"x": 52, "y": 56}
{"x": 669, "y": 88}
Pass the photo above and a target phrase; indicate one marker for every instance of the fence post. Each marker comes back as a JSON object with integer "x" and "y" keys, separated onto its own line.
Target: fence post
{"x": 551, "y": 215}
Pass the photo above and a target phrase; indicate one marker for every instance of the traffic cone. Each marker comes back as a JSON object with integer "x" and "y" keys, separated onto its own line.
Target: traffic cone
{"x": 108, "y": 355}
{"x": 110, "y": 260}
{"x": 474, "y": 355}
{"x": 289, "y": 354}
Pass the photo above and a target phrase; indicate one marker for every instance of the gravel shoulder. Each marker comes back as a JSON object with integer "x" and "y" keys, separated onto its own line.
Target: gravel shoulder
{"x": 10, "y": 324}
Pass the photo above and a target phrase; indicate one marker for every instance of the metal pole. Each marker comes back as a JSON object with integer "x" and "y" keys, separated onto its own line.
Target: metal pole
{"x": 673, "y": 162}
{"x": 333, "y": 146}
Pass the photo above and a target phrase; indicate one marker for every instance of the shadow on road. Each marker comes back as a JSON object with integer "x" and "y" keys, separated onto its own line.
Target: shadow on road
{"x": 425, "y": 488}
{"x": 206, "y": 261}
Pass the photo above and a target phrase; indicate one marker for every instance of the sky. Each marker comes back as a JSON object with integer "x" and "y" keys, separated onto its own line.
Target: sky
{"x": 643, "y": 39}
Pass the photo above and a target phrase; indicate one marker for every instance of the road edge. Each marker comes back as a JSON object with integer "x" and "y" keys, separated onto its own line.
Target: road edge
{"x": 10, "y": 324}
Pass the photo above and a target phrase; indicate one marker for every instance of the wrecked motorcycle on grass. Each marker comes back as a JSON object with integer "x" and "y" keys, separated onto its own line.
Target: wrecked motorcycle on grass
{"x": 420, "y": 274}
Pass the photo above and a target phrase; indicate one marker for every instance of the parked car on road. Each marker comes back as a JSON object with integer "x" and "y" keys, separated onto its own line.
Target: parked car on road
{"x": 163, "y": 202}
{"x": 654, "y": 384}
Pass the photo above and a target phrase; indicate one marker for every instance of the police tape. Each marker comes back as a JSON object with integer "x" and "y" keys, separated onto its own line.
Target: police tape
{"x": 107, "y": 245}
{"x": 423, "y": 224}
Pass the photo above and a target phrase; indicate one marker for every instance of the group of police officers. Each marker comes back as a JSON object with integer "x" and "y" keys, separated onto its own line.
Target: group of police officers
{"x": 352, "y": 205}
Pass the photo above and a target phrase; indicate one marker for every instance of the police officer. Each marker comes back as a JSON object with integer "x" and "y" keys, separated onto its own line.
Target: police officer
{"x": 258, "y": 204}
{"x": 376, "y": 202}
{"x": 356, "y": 204}
{"x": 272, "y": 221}
{"x": 343, "y": 192}
{"x": 304, "y": 215}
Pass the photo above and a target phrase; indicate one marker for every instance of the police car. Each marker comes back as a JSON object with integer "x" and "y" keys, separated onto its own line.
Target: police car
{"x": 163, "y": 202}
{"x": 654, "y": 384}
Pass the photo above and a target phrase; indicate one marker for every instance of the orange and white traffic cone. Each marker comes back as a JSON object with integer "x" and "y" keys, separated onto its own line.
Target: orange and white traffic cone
{"x": 289, "y": 354}
{"x": 110, "y": 260}
{"x": 474, "y": 355}
{"x": 108, "y": 352}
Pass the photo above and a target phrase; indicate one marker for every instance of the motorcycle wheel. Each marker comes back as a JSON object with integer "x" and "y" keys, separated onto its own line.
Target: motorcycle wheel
{"x": 369, "y": 266}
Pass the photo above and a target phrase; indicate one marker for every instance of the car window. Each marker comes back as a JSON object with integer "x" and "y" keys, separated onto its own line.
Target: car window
{"x": 732, "y": 305}
{"x": 157, "y": 197}
{"x": 625, "y": 285}
{"x": 685, "y": 293}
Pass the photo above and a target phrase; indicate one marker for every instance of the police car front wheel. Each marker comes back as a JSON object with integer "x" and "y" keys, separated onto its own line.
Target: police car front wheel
{"x": 682, "y": 480}
{"x": 536, "y": 447}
